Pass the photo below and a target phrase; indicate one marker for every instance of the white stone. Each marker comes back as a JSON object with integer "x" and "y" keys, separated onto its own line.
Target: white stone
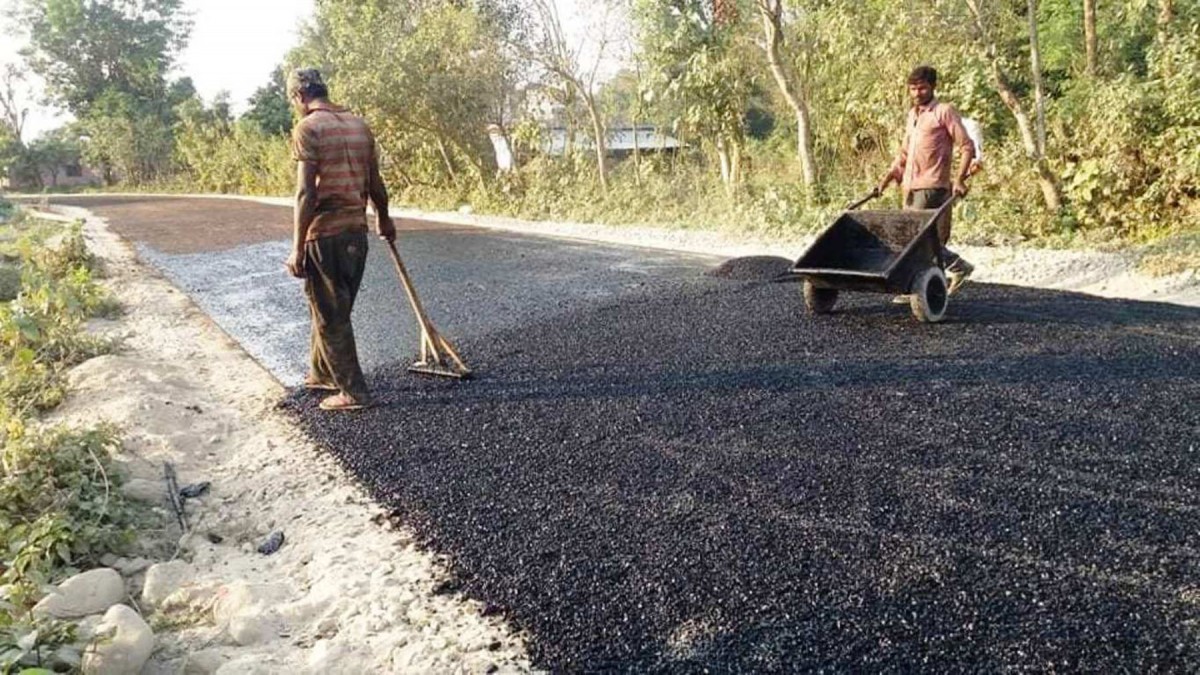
{"x": 121, "y": 646}
{"x": 249, "y": 629}
{"x": 203, "y": 662}
{"x": 164, "y": 579}
{"x": 193, "y": 597}
{"x": 130, "y": 566}
{"x": 143, "y": 490}
{"x": 91, "y": 592}
{"x": 248, "y": 665}
{"x": 240, "y": 599}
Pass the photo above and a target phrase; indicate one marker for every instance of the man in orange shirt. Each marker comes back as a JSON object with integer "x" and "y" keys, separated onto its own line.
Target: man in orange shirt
{"x": 923, "y": 166}
{"x": 337, "y": 172}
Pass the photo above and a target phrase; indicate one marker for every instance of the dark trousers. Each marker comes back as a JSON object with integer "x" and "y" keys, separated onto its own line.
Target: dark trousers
{"x": 931, "y": 199}
{"x": 333, "y": 272}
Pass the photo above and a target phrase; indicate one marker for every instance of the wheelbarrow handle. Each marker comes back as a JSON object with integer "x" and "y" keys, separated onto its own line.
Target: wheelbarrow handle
{"x": 870, "y": 195}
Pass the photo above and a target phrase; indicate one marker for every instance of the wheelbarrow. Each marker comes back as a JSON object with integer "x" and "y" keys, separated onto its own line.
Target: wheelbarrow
{"x": 884, "y": 251}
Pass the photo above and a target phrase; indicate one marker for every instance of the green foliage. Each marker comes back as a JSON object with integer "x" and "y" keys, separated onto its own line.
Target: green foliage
{"x": 86, "y": 49}
{"x": 60, "y": 503}
{"x": 214, "y": 155}
{"x": 41, "y": 329}
{"x": 269, "y": 106}
{"x": 427, "y": 76}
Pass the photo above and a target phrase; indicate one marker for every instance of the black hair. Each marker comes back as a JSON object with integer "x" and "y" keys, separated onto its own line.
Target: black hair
{"x": 923, "y": 74}
{"x": 315, "y": 90}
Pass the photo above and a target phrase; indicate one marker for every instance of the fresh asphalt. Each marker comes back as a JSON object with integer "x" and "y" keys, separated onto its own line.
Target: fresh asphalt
{"x": 667, "y": 465}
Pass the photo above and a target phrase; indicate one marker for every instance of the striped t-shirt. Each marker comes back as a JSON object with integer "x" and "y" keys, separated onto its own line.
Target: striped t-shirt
{"x": 342, "y": 147}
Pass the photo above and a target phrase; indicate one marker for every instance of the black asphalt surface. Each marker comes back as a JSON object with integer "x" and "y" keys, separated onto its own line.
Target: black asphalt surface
{"x": 688, "y": 473}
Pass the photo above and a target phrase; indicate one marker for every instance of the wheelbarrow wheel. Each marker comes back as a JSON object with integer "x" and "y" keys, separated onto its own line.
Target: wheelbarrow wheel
{"x": 819, "y": 300}
{"x": 928, "y": 297}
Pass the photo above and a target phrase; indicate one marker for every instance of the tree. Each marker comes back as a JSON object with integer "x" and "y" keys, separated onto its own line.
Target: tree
{"x": 429, "y": 76}
{"x": 86, "y": 48}
{"x": 106, "y": 61}
{"x": 791, "y": 85}
{"x": 12, "y": 119}
{"x": 987, "y": 26}
{"x": 698, "y": 63}
{"x": 552, "y": 50}
{"x": 269, "y": 106}
{"x": 1089, "y": 35}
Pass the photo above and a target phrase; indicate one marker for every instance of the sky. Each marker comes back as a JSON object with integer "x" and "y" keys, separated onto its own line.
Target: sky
{"x": 234, "y": 46}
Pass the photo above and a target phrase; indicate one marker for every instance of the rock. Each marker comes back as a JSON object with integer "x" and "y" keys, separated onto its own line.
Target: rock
{"x": 85, "y": 630}
{"x": 164, "y": 579}
{"x": 122, "y": 644}
{"x": 246, "y": 665}
{"x": 247, "y": 611}
{"x": 91, "y": 592}
{"x": 240, "y": 599}
{"x": 249, "y": 629}
{"x": 142, "y": 490}
{"x": 130, "y": 566}
{"x": 203, "y": 662}
{"x": 333, "y": 658}
{"x": 193, "y": 597}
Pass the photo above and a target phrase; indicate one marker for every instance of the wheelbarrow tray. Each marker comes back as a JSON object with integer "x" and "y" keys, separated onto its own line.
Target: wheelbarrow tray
{"x": 879, "y": 251}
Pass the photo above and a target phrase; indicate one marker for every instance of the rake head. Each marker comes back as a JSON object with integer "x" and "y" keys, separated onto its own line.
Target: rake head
{"x": 440, "y": 370}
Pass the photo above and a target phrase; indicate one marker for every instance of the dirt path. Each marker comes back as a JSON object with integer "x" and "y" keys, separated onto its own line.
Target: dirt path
{"x": 347, "y": 592}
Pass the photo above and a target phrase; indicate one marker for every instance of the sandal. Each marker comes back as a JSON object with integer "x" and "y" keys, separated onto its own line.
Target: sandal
{"x": 342, "y": 402}
{"x": 317, "y": 385}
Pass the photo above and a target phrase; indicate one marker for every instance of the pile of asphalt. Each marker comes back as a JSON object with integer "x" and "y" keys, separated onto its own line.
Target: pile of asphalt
{"x": 711, "y": 479}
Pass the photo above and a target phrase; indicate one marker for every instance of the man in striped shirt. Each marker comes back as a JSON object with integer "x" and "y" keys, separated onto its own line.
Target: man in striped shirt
{"x": 337, "y": 172}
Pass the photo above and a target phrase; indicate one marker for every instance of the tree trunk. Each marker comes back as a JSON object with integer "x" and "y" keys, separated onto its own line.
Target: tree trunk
{"x": 1046, "y": 178}
{"x": 446, "y": 161}
{"x": 637, "y": 151}
{"x": 771, "y": 12}
{"x": 1039, "y": 92}
{"x": 1166, "y": 16}
{"x": 1089, "y": 35}
{"x": 601, "y": 142}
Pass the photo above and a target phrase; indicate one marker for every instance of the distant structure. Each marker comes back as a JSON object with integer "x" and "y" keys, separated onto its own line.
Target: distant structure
{"x": 622, "y": 141}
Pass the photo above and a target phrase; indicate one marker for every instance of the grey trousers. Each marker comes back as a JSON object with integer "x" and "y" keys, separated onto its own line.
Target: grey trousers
{"x": 333, "y": 273}
{"x": 931, "y": 199}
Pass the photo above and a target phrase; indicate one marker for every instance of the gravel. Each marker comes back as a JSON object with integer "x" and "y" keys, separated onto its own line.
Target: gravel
{"x": 704, "y": 477}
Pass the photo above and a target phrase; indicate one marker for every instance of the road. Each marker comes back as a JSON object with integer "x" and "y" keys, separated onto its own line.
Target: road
{"x": 664, "y": 469}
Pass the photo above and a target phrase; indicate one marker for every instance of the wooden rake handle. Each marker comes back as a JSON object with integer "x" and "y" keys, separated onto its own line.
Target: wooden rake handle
{"x": 431, "y": 340}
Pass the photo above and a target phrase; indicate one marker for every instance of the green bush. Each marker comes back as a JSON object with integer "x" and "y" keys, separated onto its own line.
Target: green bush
{"x": 60, "y": 503}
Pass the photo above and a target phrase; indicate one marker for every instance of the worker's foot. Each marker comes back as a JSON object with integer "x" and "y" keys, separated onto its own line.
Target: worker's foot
{"x": 313, "y": 384}
{"x": 344, "y": 401}
{"x": 957, "y": 275}
{"x": 901, "y": 299}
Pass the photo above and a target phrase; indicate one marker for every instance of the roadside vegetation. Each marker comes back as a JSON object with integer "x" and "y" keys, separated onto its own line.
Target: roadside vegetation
{"x": 60, "y": 506}
{"x": 786, "y": 109}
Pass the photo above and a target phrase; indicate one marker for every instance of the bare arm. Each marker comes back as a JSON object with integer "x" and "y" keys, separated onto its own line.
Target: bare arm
{"x": 305, "y": 212}
{"x": 377, "y": 191}
{"x": 966, "y": 151}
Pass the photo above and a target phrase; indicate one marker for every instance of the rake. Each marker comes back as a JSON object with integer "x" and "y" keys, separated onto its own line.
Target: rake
{"x": 437, "y": 354}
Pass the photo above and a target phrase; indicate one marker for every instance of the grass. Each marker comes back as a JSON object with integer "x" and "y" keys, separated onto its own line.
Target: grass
{"x": 1173, "y": 255}
{"x": 60, "y": 503}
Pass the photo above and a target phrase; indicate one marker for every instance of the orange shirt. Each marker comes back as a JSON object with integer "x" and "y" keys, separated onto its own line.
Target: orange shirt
{"x": 343, "y": 148}
{"x": 926, "y": 155}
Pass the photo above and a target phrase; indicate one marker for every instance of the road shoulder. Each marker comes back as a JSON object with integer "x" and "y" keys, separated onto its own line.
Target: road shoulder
{"x": 348, "y": 591}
